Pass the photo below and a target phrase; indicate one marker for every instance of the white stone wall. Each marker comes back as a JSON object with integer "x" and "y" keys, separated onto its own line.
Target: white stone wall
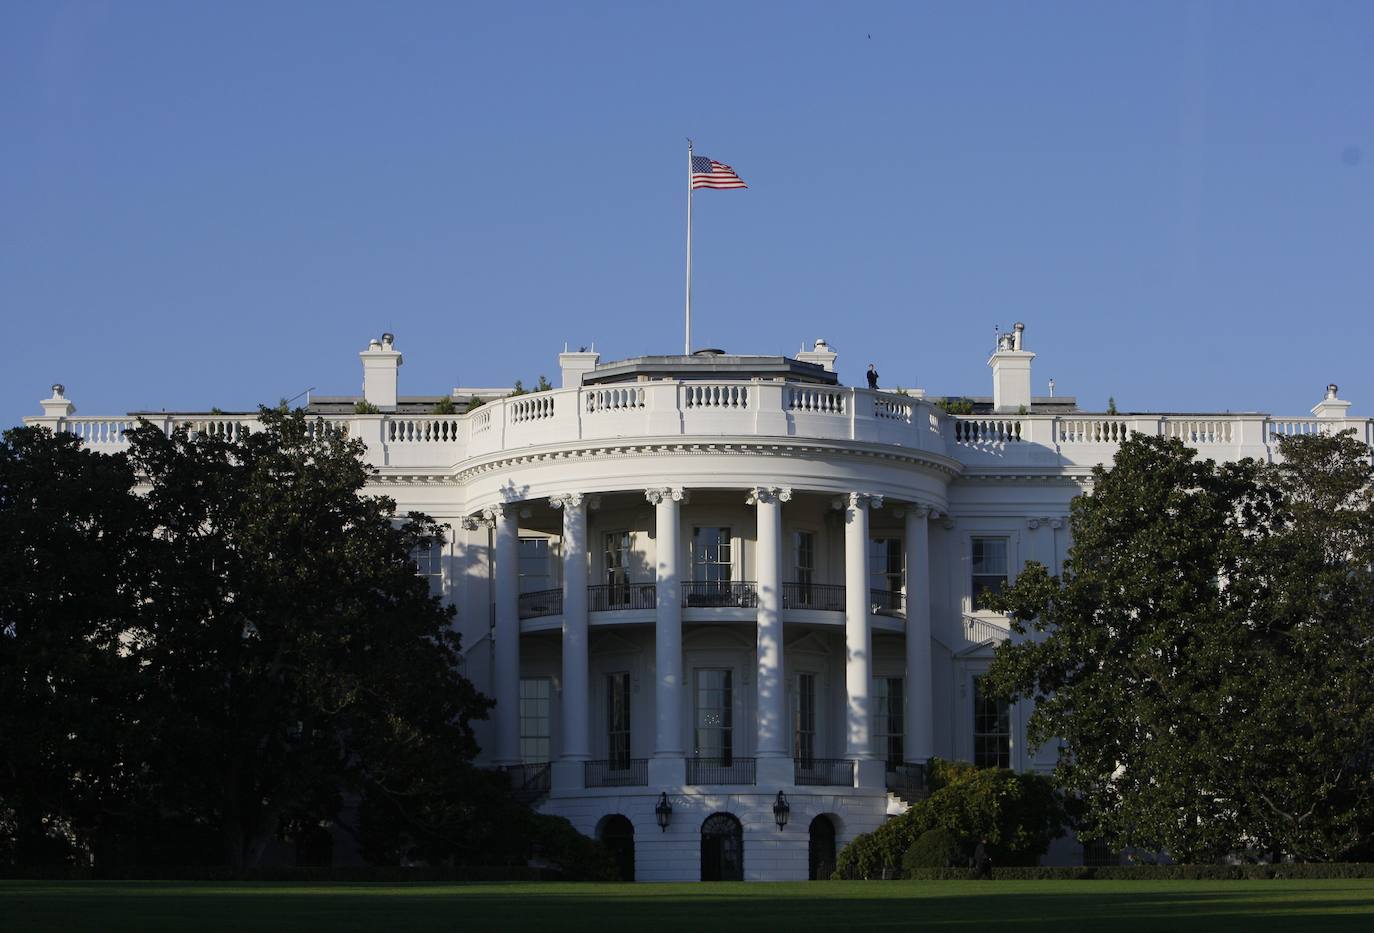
{"x": 770, "y": 854}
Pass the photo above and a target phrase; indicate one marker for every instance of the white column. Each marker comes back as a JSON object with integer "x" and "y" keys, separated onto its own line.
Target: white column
{"x": 858, "y": 638}
{"x": 507, "y": 660}
{"x": 576, "y": 746}
{"x": 668, "y": 764}
{"x": 772, "y": 691}
{"x": 919, "y": 741}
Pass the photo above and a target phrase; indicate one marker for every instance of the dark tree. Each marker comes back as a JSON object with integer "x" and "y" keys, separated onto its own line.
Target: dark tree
{"x": 297, "y": 657}
{"x": 1206, "y": 655}
{"x": 72, "y": 538}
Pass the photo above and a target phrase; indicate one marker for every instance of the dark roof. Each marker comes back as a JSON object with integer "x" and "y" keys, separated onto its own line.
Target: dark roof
{"x": 709, "y": 364}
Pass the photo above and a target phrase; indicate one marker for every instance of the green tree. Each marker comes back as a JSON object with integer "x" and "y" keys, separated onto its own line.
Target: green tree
{"x": 71, "y": 545}
{"x": 1204, "y": 656}
{"x": 295, "y": 654}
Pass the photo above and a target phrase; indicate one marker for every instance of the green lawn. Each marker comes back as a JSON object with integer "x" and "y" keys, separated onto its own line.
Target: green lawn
{"x": 1061, "y": 906}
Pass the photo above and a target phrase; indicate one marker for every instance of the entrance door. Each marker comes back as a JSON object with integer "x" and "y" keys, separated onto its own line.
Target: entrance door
{"x": 618, "y": 835}
{"x": 722, "y": 848}
{"x": 822, "y": 848}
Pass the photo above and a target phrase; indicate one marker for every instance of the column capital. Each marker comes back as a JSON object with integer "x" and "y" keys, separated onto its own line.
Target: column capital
{"x": 502, "y": 510}
{"x": 855, "y": 500}
{"x": 473, "y": 522}
{"x": 566, "y": 500}
{"x": 769, "y": 494}
{"x": 916, "y": 510}
{"x": 659, "y": 494}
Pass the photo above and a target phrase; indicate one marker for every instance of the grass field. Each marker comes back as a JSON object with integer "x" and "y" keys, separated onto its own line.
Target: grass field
{"x": 1061, "y": 906}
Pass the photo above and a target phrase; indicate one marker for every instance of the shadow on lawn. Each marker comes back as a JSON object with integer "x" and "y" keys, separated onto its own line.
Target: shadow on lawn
{"x": 654, "y": 908}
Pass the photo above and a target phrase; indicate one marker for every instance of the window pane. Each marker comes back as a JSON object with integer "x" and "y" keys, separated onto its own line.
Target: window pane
{"x": 535, "y": 698}
{"x": 714, "y": 732}
{"x": 534, "y": 565}
{"x": 991, "y": 729}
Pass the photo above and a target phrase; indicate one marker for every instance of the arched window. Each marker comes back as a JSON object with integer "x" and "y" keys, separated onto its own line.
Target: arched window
{"x": 618, "y": 835}
{"x": 822, "y": 848}
{"x": 722, "y": 848}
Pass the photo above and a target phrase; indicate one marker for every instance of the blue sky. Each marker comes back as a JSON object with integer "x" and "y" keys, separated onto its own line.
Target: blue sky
{"x": 219, "y": 204}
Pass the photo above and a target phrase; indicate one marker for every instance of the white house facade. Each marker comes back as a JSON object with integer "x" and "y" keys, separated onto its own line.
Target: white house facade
{"x": 729, "y": 608}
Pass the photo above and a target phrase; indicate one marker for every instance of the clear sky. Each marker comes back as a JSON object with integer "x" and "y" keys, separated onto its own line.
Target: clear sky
{"x": 218, "y": 204}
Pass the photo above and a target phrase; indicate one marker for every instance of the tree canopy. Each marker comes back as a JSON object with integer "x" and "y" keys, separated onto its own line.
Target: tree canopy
{"x": 232, "y": 649}
{"x": 1205, "y": 655}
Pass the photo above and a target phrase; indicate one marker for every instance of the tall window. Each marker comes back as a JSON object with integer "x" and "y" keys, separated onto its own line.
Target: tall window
{"x": 429, "y": 564}
{"x": 804, "y": 719}
{"x": 712, "y": 555}
{"x": 534, "y": 565}
{"x": 714, "y": 734}
{"x": 618, "y": 720}
{"x": 804, "y": 566}
{"x": 618, "y": 545}
{"x": 991, "y": 729}
{"x": 889, "y": 716}
{"x": 989, "y": 569}
{"x": 885, "y": 570}
{"x": 536, "y": 695}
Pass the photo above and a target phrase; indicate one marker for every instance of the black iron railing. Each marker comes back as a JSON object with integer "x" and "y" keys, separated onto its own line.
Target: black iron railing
{"x": 887, "y": 602}
{"x": 736, "y": 594}
{"x": 826, "y": 772}
{"x": 608, "y": 597}
{"x": 720, "y": 771}
{"x": 529, "y": 782}
{"x": 827, "y": 597}
{"x": 908, "y": 781}
{"x": 632, "y": 772}
{"x": 541, "y": 603}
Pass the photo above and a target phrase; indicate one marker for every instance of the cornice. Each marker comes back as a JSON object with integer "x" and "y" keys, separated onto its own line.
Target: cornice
{"x": 725, "y": 446}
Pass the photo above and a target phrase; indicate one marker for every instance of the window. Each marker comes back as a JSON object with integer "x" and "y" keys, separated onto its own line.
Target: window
{"x": 535, "y": 738}
{"x": 712, "y": 555}
{"x": 991, "y": 729}
{"x": 889, "y": 719}
{"x": 618, "y": 720}
{"x": 989, "y": 568}
{"x": 429, "y": 564}
{"x": 804, "y": 567}
{"x": 804, "y": 719}
{"x": 885, "y": 570}
{"x": 617, "y": 555}
{"x": 534, "y": 565}
{"x": 714, "y": 734}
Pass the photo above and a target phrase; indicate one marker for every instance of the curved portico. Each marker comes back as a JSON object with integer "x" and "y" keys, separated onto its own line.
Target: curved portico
{"x": 662, "y": 568}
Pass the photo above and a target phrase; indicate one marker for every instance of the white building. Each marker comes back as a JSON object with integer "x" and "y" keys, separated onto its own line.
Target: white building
{"x": 702, "y": 581}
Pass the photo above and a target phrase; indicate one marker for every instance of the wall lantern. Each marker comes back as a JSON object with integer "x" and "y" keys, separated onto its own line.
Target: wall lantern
{"x": 781, "y": 811}
{"x": 664, "y": 811}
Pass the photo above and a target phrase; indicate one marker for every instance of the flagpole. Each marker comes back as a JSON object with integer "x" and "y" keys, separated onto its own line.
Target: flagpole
{"x": 687, "y": 338}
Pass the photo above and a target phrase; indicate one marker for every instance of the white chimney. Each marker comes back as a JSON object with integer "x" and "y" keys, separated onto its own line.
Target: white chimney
{"x": 1331, "y": 406}
{"x": 822, "y": 356}
{"x": 381, "y": 363}
{"x": 1011, "y": 372}
{"x": 575, "y": 364}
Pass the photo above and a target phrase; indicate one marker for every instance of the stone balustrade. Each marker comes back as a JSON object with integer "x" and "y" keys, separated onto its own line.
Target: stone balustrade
{"x": 751, "y": 409}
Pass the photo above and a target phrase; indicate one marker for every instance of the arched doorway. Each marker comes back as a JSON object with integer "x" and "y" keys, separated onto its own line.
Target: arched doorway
{"x": 617, "y": 833}
{"x": 722, "y": 848}
{"x": 822, "y": 848}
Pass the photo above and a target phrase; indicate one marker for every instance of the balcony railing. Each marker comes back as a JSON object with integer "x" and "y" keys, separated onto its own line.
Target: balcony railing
{"x": 824, "y": 772}
{"x": 908, "y": 781}
{"x": 541, "y": 603}
{"x": 720, "y": 771}
{"x": 529, "y": 782}
{"x": 632, "y": 772}
{"x": 734, "y": 594}
{"x": 826, "y": 597}
{"x": 887, "y": 602}
{"x": 608, "y": 597}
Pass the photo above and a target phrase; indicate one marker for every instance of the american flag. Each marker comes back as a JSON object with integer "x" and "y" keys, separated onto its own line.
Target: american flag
{"x": 708, "y": 173}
